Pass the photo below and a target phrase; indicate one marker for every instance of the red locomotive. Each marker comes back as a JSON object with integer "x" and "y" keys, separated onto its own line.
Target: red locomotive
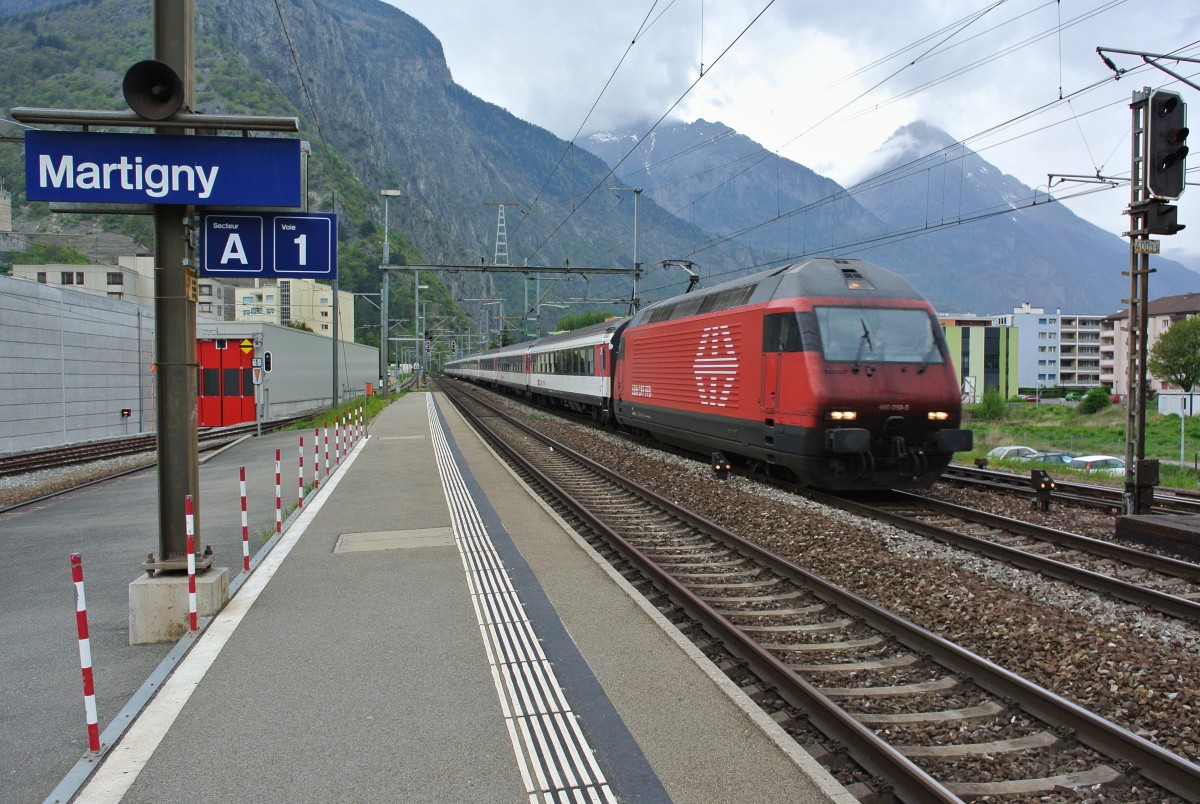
{"x": 835, "y": 370}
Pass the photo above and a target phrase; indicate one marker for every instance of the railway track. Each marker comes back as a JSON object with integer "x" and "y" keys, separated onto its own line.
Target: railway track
{"x": 1166, "y": 585}
{"x": 19, "y": 463}
{"x": 1089, "y": 494}
{"x": 919, "y": 716}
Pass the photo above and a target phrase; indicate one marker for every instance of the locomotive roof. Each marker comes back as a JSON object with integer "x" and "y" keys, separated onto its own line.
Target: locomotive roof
{"x": 820, "y": 276}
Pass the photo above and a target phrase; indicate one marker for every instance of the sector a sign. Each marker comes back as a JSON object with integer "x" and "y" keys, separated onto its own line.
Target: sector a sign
{"x": 287, "y": 244}
{"x": 161, "y": 169}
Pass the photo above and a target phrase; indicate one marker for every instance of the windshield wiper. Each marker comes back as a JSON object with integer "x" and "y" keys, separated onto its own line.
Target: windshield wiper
{"x": 928, "y": 357}
{"x": 865, "y": 340}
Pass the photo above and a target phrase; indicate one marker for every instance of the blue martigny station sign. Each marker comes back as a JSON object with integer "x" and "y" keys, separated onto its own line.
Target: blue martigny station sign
{"x": 162, "y": 169}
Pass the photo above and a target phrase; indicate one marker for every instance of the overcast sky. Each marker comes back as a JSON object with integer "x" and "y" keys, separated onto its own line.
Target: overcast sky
{"x": 825, "y": 84}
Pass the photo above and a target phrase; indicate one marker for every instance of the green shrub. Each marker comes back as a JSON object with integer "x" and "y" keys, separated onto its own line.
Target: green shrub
{"x": 991, "y": 406}
{"x": 1096, "y": 400}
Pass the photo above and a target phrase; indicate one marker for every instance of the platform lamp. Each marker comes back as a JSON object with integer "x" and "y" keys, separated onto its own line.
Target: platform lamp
{"x": 383, "y": 299}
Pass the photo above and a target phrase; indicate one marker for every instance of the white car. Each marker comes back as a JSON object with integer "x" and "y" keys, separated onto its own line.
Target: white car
{"x": 1011, "y": 453}
{"x": 1099, "y": 464}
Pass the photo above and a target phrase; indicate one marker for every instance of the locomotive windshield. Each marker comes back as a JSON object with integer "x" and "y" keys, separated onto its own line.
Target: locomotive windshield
{"x": 879, "y": 335}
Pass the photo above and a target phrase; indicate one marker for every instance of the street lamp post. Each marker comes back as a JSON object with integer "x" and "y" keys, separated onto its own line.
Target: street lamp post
{"x": 383, "y": 311}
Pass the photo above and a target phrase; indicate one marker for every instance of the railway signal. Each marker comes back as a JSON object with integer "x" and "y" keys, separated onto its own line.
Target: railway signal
{"x": 1167, "y": 149}
{"x": 720, "y": 465}
{"x": 1043, "y": 488}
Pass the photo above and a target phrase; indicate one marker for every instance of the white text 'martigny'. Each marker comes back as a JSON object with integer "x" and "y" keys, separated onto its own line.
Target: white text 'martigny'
{"x": 155, "y": 180}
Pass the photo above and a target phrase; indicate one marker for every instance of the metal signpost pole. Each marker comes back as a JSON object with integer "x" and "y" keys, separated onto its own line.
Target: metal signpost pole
{"x": 176, "y": 282}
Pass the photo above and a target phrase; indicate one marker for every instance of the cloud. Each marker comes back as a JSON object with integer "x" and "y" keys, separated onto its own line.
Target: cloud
{"x": 825, "y": 84}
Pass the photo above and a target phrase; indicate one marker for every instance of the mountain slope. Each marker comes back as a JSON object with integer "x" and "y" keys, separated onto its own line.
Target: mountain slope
{"x": 377, "y": 100}
{"x": 960, "y": 229}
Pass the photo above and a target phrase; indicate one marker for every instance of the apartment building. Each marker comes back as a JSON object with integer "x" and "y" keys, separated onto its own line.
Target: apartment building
{"x": 284, "y": 301}
{"x": 1114, "y": 342}
{"x": 1057, "y": 349}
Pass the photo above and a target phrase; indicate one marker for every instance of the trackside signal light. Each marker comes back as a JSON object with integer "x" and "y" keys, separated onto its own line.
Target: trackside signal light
{"x": 1166, "y": 171}
{"x": 720, "y": 465}
{"x": 1043, "y": 488}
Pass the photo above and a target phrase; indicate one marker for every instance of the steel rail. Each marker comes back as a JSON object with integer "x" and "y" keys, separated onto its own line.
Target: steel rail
{"x": 1164, "y": 564}
{"x": 1165, "y": 501}
{"x": 874, "y": 754}
{"x": 1156, "y": 763}
{"x": 1130, "y": 593}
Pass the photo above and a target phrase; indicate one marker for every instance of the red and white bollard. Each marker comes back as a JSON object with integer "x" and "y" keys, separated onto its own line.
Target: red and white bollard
{"x": 278, "y": 498}
{"x": 316, "y": 458}
{"x": 326, "y": 449}
{"x": 245, "y": 523}
{"x": 337, "y": 442}
{"x": 300, "y": 493}
{"x": 191, "y": 561}
{"x": 85, "y": 654}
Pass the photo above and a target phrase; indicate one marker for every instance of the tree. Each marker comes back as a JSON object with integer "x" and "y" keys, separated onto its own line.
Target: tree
{"x": 1175, "y": 357}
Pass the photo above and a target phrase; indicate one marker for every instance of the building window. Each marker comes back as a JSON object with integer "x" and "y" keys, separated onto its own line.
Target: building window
{"x": 206, "y": 290}
{"x": 42, "y": 277}
{"x": 324, "y": 327}
{"x": 68, "y": 278}
{"x": 324, "y": 300}
{"x": 247, "y": 300}
{"x": 270, "y": 298}
{"x": 116, "y": 278}
{"x": 324, "y": 314}
{"x": 204, "y": 307}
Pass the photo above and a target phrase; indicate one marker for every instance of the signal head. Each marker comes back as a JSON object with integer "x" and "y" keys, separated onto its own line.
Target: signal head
{"x": 1166, "y": 168}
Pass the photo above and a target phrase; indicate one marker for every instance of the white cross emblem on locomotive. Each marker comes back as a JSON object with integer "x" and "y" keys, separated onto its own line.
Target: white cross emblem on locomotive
{"x": 716, "y": 366}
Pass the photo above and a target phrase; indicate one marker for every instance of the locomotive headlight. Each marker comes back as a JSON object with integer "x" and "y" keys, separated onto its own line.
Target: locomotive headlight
{"x": 938, "y": 415}
{"x": 843, "y": 415}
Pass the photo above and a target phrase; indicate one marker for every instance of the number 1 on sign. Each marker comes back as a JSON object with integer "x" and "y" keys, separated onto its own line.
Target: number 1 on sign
{"x": 302, "y": 242}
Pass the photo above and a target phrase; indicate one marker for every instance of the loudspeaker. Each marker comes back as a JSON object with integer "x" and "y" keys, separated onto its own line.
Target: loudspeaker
{"x": 153, "y": 90}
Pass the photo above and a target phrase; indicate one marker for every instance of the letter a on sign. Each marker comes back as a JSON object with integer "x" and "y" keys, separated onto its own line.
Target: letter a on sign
{"x": 234, "y": 251}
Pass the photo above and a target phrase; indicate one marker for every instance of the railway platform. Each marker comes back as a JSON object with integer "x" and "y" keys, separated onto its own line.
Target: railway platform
{"x": 427, "y": 631}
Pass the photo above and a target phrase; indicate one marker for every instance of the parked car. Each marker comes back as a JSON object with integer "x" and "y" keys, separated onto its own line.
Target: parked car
{"x": 1099, "y": 464}
{"x": 1052, "y": 458}
{"x": 1011, "y": 453}
{"x": 1074, "y": 396}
